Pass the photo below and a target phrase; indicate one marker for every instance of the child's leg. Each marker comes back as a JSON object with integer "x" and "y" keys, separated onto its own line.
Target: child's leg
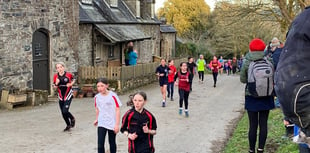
{"x": 112, "y": 141}
{"x": 164, "y": 91}
{"x": 101, "y": 139}
{"x": 168, "y": 89}
{"x": 181, "y": 94}
{"x": 171, "y": 89}
{"x": 186, "y": 95}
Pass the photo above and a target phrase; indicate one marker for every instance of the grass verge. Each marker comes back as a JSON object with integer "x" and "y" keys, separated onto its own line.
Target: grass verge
{"x": 238, "y": 143}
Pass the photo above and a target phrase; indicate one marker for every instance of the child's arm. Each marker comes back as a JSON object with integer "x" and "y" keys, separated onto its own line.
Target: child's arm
{"x": 97, "y": 113}
{"x": 117, "y": 113}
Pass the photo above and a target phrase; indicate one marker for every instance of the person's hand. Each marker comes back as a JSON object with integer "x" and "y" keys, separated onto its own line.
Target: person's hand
{"x": 162, "y": 74}
{"x": 285, "y": 122}
{"x": 176, "y": 83}
{"x": 69, "y": 85}
{"x": 116, "y": 129}
{"x": 132, "y": 136}
{"x": 57, "y": 81}
{"x": 187, "y": 80}
{"x": 95, "y": 122}
{"x": 145, "y": 129}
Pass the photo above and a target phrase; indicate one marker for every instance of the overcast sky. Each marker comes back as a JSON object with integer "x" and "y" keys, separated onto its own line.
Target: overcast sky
{"x": 159, "y": 3}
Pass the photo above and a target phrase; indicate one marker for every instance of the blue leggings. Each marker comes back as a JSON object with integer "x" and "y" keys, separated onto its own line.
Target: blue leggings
{"x": 170, "y": 89}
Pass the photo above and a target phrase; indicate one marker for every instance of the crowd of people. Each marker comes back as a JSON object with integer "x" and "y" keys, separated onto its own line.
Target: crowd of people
{"x": 270, "y": 83}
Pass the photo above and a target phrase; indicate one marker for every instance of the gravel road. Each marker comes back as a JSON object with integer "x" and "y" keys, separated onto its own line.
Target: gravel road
{"x": 212, "y": 113}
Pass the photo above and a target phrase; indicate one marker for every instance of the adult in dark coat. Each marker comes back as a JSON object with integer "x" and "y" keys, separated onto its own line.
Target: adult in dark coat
{"x": 292, "y": 77}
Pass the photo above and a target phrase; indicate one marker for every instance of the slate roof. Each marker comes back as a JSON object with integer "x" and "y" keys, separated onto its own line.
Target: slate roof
{"x": 167, "y": 29}
{"x": 121, "y": 33}
{"x": 101, "y": 12}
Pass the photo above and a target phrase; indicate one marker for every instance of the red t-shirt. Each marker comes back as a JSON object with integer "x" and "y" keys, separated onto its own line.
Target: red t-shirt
{"x": 172, "y": 73}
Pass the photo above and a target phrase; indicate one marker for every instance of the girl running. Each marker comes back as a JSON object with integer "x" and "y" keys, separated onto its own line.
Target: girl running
{"x": 172, "y": 72}
{"x": 215, "y": 65}
{"x": 162, "y": 72}
{"x": 107, "y": 106}
{"x": 63, "y": 82}
{"x": 185, "y": 77}
{"x": 139, "y": 125}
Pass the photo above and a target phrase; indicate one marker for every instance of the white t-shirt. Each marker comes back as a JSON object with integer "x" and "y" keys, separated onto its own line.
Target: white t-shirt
{"x": 106, "y": 106}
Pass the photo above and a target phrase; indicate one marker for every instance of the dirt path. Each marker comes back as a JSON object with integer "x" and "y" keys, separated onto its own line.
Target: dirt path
{"x": 39, "y": 129}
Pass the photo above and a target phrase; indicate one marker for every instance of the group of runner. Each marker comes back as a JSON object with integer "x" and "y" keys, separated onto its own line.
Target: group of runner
{"x": 138, "y": 124}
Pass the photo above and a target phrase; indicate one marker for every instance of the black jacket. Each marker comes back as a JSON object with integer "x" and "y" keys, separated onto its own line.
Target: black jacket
{"x": 292, "y": 77}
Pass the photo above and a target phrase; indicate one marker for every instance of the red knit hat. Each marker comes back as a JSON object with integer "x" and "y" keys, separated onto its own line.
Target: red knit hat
{"x": 257, "y": 45}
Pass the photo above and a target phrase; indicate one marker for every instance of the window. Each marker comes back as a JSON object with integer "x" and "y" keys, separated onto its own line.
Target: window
{"x": 113, "y": 3}
{"x": 111, "y": 51}
{"x": 87, "y": 1}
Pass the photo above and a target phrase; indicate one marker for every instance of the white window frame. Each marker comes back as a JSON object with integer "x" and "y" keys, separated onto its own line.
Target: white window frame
{"x": 114, "y": 3}
{"x": 87, "y": 2}
{"x": 138, "y": 11}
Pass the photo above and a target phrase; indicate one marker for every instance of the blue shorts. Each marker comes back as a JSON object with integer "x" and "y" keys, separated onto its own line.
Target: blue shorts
{"x": 163, "y": 82}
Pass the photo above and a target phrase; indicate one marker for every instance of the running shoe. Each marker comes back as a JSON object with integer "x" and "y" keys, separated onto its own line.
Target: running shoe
{"x": 164, "y": 104}
{"x": 67, "y": 128}
{"x": 72, "y": 122}
{"x": 186, "y": 114}
{"x": 171, "y": 99}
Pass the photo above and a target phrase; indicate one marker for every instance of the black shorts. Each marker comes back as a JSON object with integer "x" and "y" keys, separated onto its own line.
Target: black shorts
{"x": 163, "y": 82}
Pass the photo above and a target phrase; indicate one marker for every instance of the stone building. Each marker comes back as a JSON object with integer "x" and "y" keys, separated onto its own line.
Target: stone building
{"x": 167, "y": 41}
{"x": 106, "y": 26}
{"x": 34, "y": 35}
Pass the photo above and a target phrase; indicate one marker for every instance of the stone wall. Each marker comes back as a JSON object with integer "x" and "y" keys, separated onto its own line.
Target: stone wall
{"x": 168, "y": 45}
{"x": 149, "y": 47}
{"x": 19, "y": 20}
{"x": 85, "y": 45}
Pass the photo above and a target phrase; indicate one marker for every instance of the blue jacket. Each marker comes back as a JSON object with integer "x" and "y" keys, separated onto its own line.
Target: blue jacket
{"x": 276, "y": 56}
{"x": 132, "y": 58}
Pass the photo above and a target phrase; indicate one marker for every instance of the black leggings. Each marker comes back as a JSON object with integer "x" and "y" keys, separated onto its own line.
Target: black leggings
{"x": 215, "y": 77}
{"x": 183, "y": 96}
{"x": 64, "y": 107}
{"x": 201, "y": 75}
{"x": 101, "y": 140}
{"x": 258, "y": 119}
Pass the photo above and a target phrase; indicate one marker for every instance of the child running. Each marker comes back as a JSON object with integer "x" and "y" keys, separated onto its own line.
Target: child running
{"x": 185, "y": 77}
{"x": 107, "y": 106}
{"x": 139, "y": 125}
{"x": 215, "y": 65}
{"x": 172, "y": 72}
{"x": 63, "y": 82}
{"x": 201, "y": 64}
{"x": 162, "y": 72}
